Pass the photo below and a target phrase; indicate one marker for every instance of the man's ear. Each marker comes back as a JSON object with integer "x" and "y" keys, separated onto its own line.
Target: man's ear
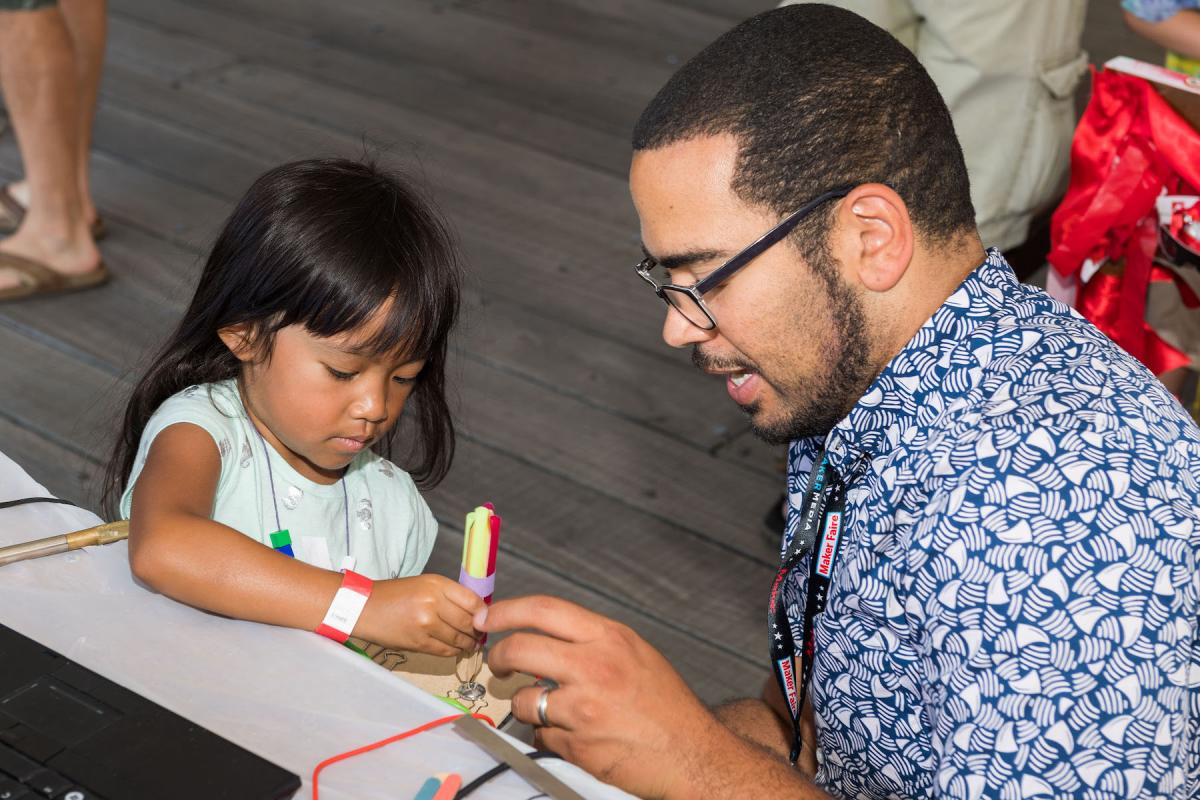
{"x": 238, "y": 339}
{"x": 878, "y": 235}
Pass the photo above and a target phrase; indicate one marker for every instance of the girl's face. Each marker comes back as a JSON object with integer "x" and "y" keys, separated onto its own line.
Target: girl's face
{"x": 320, "y": 402}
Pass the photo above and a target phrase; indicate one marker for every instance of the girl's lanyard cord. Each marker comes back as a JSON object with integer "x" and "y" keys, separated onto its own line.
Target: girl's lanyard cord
{"x": 275, "y": 501}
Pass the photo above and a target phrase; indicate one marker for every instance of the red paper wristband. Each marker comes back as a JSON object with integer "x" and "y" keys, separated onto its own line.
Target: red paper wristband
{"x": 346, "y": 607}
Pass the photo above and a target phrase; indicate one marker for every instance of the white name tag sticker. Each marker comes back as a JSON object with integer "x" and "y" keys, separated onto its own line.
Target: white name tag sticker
{"x": 313, "y": 550}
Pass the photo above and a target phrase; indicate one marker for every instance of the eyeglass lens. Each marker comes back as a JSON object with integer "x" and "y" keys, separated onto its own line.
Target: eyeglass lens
{"x": 686, "y": 305}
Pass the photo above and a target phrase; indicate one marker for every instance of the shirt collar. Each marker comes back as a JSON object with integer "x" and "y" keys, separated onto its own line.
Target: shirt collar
{"x": 912, "y": 390}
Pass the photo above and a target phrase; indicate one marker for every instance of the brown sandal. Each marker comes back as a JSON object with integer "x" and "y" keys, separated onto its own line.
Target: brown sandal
{"x": 38, "y": 279}
{"x": 12, "y": 212}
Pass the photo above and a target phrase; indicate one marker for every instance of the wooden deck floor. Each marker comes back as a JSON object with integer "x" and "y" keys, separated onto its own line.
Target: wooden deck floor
{"x": 627, "y": 480}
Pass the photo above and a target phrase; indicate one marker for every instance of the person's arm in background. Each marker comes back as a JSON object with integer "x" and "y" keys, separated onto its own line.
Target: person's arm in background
{"x": 1178, "y": 33}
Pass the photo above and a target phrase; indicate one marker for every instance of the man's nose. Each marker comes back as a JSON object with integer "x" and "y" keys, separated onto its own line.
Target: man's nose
{"x": 678, "y": 332}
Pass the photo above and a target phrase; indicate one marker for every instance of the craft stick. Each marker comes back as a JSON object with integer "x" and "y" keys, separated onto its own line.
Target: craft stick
{"x": 450, "y": 787}
{"x": 429, "y": 789}
{"x": 480, "y": 544}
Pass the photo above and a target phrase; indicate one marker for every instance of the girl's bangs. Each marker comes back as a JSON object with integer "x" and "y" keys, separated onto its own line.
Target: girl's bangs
{"x": 421, "y": 307}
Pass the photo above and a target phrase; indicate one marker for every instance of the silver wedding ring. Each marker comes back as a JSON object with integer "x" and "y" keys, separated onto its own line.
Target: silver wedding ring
{"x": 548, "y": 685}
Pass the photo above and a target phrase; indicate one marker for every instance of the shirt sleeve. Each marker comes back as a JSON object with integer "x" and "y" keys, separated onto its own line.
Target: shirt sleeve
{"x": 1056, "y": 598}
{"x": 1157, "y": 10}
{"x": 198, "y": 407}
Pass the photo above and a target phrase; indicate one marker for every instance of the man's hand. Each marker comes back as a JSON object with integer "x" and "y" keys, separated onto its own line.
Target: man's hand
{"x": 621, "y": 712}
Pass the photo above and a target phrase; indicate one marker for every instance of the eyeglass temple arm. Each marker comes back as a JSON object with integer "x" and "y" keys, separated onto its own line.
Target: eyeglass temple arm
{"x": 768, "y": 239}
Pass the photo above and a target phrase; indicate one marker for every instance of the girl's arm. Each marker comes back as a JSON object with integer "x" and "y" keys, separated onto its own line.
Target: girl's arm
{"x": 177, "y": 549}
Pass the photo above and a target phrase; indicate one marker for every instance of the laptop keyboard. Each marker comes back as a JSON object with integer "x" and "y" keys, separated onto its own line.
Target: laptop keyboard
{"x": 22, "y": 778}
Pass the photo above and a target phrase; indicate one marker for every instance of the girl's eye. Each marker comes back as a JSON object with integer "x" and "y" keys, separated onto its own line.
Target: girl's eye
{"x": 403, "y": 380}
{"x": 339, "y": 375}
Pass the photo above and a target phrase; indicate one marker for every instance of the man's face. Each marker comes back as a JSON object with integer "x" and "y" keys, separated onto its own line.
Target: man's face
{"x": 790, "y": 340}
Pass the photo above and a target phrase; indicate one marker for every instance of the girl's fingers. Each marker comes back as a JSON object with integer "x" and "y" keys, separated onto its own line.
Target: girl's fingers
{"x": 464, "y": 598}
{"x": 457, "y": 641}
{"x": 457, "y": 619}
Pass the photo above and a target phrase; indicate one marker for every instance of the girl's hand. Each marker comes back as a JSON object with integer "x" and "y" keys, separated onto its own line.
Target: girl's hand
{"x": 427, "y": 613}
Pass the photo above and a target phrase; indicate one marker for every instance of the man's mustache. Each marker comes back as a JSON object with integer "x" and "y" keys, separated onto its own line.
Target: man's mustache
{"x": 707, "y": 362}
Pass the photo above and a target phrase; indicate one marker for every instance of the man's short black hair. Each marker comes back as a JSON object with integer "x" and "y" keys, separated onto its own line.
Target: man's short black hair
{"x": 818, "y": 97}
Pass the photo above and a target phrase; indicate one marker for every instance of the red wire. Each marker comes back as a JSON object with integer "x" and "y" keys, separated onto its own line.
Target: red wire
{"x": 376, "y": 745}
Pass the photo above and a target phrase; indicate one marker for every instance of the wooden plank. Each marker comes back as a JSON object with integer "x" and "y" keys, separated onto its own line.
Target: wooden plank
{"x": 733, "y": 10}
{"x": 641, "y": 30}
{"x": 430, "y": 88}
{"x": 598, "y": 542}
{"x": 171, "y": 57}
{"x": 550, "y": 190}
{"x": 753, "y": 453}
{"x": 632, "y": 464}
{"x": 581, "y": 82}
{"x": 641, "y": 383}
{"x": 64, "y": 473}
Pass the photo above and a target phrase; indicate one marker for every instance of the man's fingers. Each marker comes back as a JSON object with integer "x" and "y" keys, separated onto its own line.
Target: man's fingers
{"x": 551, "y": 615}
{"x": 558, "y": 707}
{"x": 532, "y": 654}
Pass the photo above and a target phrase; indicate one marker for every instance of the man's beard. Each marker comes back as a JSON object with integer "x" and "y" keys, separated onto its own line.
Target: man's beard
{"x": 813, "y": 408}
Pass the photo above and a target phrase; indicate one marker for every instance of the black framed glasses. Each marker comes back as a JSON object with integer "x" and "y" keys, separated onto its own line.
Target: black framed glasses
{"x": 688, "y": 300}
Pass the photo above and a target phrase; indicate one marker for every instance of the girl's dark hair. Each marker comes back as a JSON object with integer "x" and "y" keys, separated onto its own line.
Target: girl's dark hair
{"x": 322, "y": 243}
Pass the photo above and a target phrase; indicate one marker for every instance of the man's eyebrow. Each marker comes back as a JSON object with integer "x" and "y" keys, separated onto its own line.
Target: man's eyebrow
{"x": 685, "y": 259}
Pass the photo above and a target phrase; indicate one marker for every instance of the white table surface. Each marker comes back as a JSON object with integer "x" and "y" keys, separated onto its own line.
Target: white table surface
{"x": 291, "y": 696}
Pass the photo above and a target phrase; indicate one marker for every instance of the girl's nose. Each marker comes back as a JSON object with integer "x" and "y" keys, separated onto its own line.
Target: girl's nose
{"x": 371, "y": 403}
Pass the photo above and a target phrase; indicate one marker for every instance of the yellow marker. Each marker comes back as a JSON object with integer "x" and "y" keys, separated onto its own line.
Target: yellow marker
{"x": 481, "y": 540}
{"x": 467, "y": 538}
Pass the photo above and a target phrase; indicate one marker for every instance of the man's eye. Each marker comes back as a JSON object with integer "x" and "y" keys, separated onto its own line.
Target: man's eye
{"x": 339, "y": 375}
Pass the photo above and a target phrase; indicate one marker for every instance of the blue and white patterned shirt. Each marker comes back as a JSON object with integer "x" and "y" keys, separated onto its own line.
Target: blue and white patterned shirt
{"x": 1014, "y": 610}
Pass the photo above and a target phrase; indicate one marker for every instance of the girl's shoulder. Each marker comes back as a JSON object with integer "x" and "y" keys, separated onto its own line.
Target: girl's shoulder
{"x": 215, "y": 407}
{"x": 220, "y": 397}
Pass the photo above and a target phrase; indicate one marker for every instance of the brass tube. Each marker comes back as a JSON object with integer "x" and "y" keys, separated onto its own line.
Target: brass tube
{"x": 107, "y": 533}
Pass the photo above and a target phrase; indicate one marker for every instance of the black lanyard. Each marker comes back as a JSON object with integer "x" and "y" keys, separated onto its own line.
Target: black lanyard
{"x": 819, "y": 534}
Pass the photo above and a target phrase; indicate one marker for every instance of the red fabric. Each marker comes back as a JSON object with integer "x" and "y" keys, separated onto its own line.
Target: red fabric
{"x": 1129, "y": 146}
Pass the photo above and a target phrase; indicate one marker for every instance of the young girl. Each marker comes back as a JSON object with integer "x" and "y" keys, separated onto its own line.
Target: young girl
{"x": 324, "y": 307}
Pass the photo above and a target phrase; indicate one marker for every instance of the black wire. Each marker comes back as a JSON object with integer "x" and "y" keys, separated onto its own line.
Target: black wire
{"x": 25, "y": 500}
{"x": 498, "y": 770}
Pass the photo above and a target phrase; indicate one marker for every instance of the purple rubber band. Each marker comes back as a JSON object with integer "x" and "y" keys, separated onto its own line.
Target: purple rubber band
{"x": 480, "y": 586}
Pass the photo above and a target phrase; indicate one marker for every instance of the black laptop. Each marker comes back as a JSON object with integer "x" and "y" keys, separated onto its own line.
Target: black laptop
{"x": 68, "y": 734}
